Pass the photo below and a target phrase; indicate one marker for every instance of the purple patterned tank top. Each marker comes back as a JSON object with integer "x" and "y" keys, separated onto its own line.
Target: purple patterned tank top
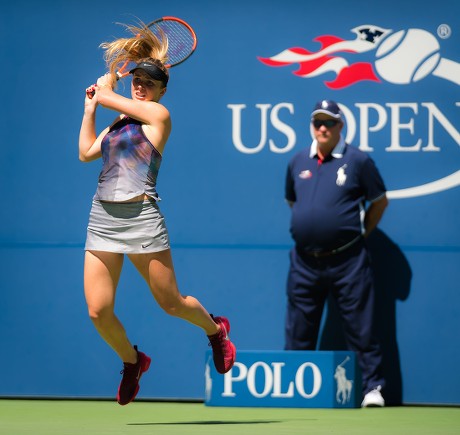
{"x": 130, "y": 163}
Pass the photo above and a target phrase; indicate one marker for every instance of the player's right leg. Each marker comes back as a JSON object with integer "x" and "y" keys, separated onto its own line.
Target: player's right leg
{"x": 102, "y": 273}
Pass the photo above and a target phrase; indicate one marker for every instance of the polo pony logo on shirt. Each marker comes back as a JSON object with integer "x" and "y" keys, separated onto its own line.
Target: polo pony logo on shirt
{"x": 341, "y": 176}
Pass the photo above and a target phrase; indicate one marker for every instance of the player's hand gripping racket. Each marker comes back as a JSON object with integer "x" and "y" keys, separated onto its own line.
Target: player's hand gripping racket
{"x": 182, "y": 42}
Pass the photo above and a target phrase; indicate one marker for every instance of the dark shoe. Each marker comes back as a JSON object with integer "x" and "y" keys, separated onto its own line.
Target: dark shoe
{"x": 223, "y": 350}
{"x": 129, "y": 385}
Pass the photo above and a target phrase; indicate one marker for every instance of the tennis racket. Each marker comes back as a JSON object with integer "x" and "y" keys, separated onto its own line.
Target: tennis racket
{"x": 182, "y": 42}
{"x": 181, "y": 37}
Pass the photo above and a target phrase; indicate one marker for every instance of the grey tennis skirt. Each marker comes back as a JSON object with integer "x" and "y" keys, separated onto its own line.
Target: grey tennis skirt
{"x": 126, "y": 228}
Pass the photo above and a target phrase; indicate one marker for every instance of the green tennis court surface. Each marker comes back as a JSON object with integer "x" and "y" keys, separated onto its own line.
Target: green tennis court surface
{"x": 74, "y": 417}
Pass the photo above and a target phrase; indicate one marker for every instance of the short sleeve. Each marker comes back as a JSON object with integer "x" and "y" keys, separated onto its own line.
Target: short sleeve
{"x": 371, "y": 181}
{"x": 289, "y": 186}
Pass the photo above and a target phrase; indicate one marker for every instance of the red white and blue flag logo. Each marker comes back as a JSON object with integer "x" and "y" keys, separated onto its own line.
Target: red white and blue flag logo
{"x": 401, "y": 57}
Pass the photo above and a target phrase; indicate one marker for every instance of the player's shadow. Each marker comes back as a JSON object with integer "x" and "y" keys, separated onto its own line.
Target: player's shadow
{"x": 392, "y": 282}
{"x": 206, "y": 422}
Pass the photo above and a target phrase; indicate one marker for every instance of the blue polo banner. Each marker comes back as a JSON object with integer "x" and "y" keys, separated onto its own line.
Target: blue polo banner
{"x": 286, "y": 379}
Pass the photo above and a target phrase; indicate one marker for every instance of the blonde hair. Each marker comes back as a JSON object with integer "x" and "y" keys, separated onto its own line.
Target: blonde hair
{"x": 143, "y": 45}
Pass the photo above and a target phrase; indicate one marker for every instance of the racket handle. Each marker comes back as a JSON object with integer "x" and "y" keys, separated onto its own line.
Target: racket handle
{"x": 119, "y": 75}
{"x": 91, "y": 92}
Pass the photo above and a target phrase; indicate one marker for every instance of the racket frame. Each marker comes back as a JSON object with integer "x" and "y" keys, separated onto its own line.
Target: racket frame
{"x": 121, "y": 73}
{"x": 187, "y": 26}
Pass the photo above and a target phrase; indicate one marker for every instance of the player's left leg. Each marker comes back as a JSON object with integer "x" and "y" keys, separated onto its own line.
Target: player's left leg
{"x": 158, "y": 271}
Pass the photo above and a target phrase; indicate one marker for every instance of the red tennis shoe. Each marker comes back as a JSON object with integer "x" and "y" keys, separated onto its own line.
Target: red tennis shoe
{"x": 129, "y": 385}
{"x": 223, "y": 350}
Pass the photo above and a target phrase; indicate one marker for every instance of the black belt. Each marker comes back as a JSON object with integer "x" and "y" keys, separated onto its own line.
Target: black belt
{"x": 320, "y": 254}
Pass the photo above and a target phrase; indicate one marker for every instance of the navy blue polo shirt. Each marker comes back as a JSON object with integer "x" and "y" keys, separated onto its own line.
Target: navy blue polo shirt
{"x": 329, "y": 198}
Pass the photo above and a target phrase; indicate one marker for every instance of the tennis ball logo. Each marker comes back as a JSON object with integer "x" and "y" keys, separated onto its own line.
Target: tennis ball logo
{"x": 407, "y": 56}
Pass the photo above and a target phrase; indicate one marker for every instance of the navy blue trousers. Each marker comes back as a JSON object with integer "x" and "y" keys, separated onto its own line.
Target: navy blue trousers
{"x": 348, "y": 277}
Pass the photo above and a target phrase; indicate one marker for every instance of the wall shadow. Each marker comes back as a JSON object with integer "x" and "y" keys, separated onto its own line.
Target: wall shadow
{"x": 393, "y": 277}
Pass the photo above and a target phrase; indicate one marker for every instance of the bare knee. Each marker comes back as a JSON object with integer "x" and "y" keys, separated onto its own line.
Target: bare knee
{"x": 172, "y": 307}
{"x": 100, "y": 315}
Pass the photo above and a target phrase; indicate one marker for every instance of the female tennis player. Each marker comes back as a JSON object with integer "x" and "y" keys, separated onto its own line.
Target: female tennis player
{"x": 125, "y": 217}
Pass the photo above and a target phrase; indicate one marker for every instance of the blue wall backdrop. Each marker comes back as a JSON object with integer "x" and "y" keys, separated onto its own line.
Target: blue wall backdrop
{"x": 394, "y": 67}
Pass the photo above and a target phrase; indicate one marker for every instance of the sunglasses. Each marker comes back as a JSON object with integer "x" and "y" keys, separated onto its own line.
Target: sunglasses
{"x": 328, "y": 123}
{"x": 137, "y": 81}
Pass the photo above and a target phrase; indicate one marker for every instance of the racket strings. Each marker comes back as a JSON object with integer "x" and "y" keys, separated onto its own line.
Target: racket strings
{"x": 181, "y": 41}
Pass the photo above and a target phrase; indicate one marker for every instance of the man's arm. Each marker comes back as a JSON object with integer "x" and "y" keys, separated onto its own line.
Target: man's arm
{"x": 374, "y": 213}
